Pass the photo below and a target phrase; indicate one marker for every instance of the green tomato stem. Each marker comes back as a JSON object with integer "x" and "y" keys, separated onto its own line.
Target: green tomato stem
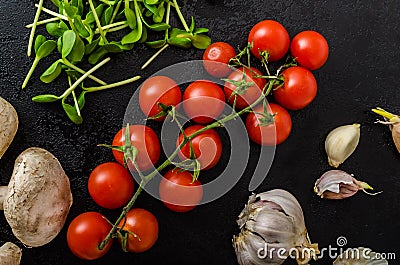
{"x": 178, "y": 10}
{"x": 154, "y": 56}
{"x": 168, "y": 162}
{"x": 96, "y": 18}
{"x": 120, "y": 83}
{"x": 83, "y": 77}
{"x": 32, "y": 34}
{"x": 76, "y": 68}
{"x": 45, "y": 21}
{"x": 28, "y": 76}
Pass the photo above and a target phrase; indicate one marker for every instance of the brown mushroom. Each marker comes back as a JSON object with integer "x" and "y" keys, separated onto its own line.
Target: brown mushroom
{"x": 8, "y": 125}
{"x": 38, "y": 197}
{"x": 10, "y": 254}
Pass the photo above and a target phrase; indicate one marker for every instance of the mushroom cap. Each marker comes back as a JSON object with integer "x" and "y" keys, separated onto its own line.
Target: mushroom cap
{"x": 38, "y": 198}
{"x": 10, "y": 254}
{"x": 8, "y": 125}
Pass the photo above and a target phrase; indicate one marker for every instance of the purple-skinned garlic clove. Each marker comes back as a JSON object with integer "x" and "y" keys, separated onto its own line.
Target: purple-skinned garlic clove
{"x": 338, "y": 184}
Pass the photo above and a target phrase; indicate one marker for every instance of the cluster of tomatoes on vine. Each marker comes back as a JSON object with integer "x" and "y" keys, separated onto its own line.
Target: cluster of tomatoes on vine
{"x": 137, "y": 147}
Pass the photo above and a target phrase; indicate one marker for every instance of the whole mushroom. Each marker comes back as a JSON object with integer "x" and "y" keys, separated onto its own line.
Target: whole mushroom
{"x": 8, "y": 125}
{"x": 38, "y": 197}
{"x": 10, "y": 254}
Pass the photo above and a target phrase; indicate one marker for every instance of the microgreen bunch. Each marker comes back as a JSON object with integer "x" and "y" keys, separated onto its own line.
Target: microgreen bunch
{"x": 79, "y": 32}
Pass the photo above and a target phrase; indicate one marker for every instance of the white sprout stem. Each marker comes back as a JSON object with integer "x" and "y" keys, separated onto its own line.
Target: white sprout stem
{"x": 32, "y": 34}
{"x": 113, "y": 25}
{"x": 96, "y": 18}
{"x": 154, "y": 56}
{"x": 76, "y": 68}
{"x": 78, "y": 111}
{"x": 83, "y": 77}
{"x": 50, "y": 12}
{"x": 45, "y": 21}
{"x": 120, "y": 83}
{"x": 118, "y": 28}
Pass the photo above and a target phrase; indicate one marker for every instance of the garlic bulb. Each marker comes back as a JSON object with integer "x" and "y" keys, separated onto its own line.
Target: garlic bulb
{"x": 394, "y": 122}
{"x": 337, "y": 184}
{"x": 272, "y": 228}
{"x": 359, "y": 256}
{"x": 341, "y": 143}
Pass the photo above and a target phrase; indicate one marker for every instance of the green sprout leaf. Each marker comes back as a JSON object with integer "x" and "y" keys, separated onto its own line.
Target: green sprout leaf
{"x": 156, "y": 44}
{"x": 52, "y": 72}
{"x": 56, "y": 29}
{"x": 201, "y": 41}
{"x": 89, "y": 48}
{"x": 161, "y": 12}
{"x": 130, "y": 17}
{"x": 40, "y": 39}
{"x": 46, "y": 48}
{"x": 97, "y": 55}
{"x": 77, "y": 52}
{"x": 80, "y": 27}
{"x": 151, "y": 8}
{"x": 200, "y": 30}
{"x": 45, "y": 98}
{"x": 180, "y": 42}
{"x": 68, "y": 42}
{"x": 70, "y": 10}
{"x": 71, "y": 112}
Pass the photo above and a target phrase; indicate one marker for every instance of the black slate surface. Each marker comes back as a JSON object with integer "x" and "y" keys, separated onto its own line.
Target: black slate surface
{"x": 361, "y": 73}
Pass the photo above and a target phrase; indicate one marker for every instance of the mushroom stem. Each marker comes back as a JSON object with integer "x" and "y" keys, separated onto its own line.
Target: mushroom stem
{"x": 3, "y": 193}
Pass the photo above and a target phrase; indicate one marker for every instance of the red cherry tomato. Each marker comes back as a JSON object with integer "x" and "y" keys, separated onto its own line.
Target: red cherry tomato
{"x": 216, "y": 58}
{"x": 207, "y": 146}
{"x": 252, "y": 93}
{"x": 144, "y": 225}
{"x": 179, "y": 192}
{"x": 310, "y": 49}
{"x": 270, "y": 36}
{"x": 158, "y": 89}
{"x": 110, "y": 185}
{"x": 203, "y": 101}
{"x": 145, "y": 140}
{"x": 85, "y": 233}
{"x": 299, "y": 88}
{"x": 271, "y": 134}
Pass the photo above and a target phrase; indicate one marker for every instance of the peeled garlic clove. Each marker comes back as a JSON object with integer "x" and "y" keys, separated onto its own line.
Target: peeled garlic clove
{"x": 337, "y": 184}
{"x": 359, "y": 256}
{"x": 272, "y": 226}
{"x": 341, "y": 143}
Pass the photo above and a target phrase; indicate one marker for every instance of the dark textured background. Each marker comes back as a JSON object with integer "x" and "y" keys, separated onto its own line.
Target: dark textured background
{"x": 361, "y": 73}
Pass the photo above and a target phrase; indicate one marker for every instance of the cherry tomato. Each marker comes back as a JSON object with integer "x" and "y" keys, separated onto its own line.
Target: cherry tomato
{"x": 203, "y": 101}
{"x": 310, "y": 49}
{"x": 144, "y": 225}
{"x": 299, "y": 88}
{"x": 85, "y": 233}
{"x": 145, "y": 140}
{"x": 216, "y": 58}
{"x": 269, "y": 36}
{"x": 110, "y": 185}
{"x": 179, "y": 192}
{"x": 252, "y": 93}
{"x": 271, "y": 134}
{"x": 207, "y": 146}
{"x": 158, "y": 89}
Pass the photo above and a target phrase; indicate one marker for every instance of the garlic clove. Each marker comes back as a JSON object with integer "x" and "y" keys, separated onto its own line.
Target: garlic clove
{"x": 359, "y": 256}
{"x": 341, "y": 143}
{"x": 337, "y": 184}
{"x": 394, "y": 124}
{"x": 396, "y": 135}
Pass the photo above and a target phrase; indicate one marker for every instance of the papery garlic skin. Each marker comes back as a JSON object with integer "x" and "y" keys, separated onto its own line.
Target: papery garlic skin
{"x": 359, "y": 256}
{"x": 396, "y": 135}
{"x": 341, "y": 143}
{"x": 337, "y": 184}
{"x": 272, "y": 221}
